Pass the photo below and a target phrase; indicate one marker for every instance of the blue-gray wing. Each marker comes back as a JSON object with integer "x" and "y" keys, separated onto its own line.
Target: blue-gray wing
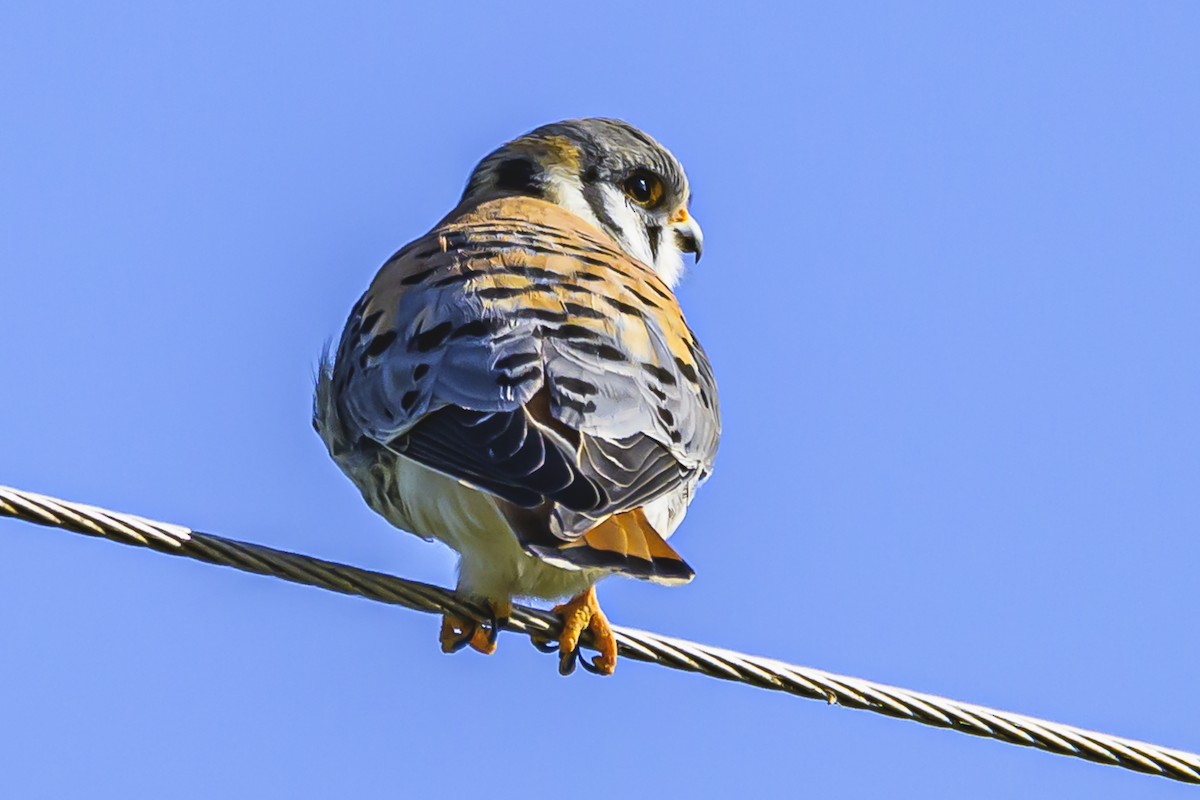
{"x": 518, "y": 351}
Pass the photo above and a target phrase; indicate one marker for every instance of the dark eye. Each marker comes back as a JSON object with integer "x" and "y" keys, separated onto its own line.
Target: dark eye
{"x": 644, "y": 188}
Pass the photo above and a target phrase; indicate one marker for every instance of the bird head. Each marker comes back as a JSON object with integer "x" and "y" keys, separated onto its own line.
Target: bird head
{"x": 607, "y": 172}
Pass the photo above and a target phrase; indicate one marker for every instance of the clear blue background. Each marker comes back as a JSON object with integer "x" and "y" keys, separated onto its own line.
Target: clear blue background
{"x": 950, "y": 289}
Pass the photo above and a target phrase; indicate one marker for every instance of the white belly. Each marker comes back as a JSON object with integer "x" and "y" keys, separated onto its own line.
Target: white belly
{"x": 492, "y": 565}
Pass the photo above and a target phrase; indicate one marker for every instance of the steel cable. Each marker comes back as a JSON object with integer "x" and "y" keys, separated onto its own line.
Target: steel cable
{"x": 678, "y": 654}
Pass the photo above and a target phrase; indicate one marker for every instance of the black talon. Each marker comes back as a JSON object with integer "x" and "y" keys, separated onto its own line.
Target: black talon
{"x": 492, "y": 623}
{"x": 590, "y": 666}
{"x": 493, "y": 632}
{"x": 567, "y": 661}
{"x": 498, "y": 624}
{"x": 489, "y": 624}
{"x": 546, "y": 646}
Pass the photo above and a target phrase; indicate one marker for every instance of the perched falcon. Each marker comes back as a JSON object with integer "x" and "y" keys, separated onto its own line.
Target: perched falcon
{"x": 520, "y": 383}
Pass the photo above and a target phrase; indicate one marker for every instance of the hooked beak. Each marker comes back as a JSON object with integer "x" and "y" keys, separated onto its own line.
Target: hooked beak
{"x": 687, "y": 231}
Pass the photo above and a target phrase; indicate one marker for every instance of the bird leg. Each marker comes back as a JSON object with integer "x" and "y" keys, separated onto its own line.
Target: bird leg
{"x": 457, "y": 632}
{"x": 579, "y": 614}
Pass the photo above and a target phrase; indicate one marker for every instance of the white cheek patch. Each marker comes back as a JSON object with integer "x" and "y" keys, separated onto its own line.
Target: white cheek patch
{"x": 636, "y": 240}
{"x": 628, "y": 222}
{"x": 569, "y": 194}
{"x": 631, "y": 226}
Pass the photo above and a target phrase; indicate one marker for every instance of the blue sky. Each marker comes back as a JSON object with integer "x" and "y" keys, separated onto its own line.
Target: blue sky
{"x": 950, "y": 290}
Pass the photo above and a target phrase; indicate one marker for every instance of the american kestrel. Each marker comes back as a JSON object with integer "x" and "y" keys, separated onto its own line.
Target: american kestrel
{"x": 520, "y": 382}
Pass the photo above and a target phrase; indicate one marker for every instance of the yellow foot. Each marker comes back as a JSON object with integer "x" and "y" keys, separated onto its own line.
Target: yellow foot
{"x": 457, "y": 632}
{"x": 581, "y": 614}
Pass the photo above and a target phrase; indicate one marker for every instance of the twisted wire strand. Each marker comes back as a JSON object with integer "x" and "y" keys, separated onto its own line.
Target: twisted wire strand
{"x": 678, "y": 654}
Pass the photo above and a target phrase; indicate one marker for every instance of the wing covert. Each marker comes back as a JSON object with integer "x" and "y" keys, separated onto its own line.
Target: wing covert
{"x": 518, "y": 350}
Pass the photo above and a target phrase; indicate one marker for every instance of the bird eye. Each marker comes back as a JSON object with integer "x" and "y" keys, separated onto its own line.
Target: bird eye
{"x": 644, "y": 188}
